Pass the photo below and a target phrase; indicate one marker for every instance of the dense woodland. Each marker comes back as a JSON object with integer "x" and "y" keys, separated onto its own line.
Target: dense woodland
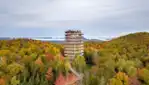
{"x": 120, "y": 61}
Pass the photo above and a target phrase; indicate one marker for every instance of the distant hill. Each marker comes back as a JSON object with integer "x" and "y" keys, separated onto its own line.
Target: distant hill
{"x": 95, "y": 40}
{"x": 5, "y": 38}
{"x": 133, "y": 38}
{"x": 85, "y": 40}
{"x": 61, "y": 40}
{"x": 133, "y": 45}
{"x": 51, "y": 39}
{"x": 56, "y": 41}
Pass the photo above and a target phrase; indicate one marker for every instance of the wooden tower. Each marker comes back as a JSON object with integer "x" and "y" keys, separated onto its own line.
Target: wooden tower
{"x": 73, "y": 44}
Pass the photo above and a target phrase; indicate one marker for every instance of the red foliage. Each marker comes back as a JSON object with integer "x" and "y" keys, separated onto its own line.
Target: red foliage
{"x": 60, "y": 80}
{"x": 71, "y": 78}
{"x": 68, "y": 80}
{"x": 134, "y": 81}
{"x": 49, "y": 56}
{"x": 2, "y": 81}
{"x": 49, "y": 74}
{"x": 62, "y": 57}
{"x": 39, "y": 61}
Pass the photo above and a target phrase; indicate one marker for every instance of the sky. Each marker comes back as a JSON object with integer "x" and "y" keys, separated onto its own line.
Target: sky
{"x": 95, "y": 18}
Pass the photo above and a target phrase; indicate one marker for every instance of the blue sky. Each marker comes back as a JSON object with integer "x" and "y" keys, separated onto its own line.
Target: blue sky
{"x": 96, "y": 18}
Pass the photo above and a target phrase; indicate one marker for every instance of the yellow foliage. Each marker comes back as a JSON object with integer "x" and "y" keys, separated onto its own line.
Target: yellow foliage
{"x": 4, "y": 52}
{"x": 120, "y": 79}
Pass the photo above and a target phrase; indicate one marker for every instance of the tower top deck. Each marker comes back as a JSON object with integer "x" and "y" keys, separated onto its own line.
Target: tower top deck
{"x": 73, "y": 31}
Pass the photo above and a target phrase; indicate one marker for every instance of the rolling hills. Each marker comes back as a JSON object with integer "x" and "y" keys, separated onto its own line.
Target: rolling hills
{"x": 120, "y": 61}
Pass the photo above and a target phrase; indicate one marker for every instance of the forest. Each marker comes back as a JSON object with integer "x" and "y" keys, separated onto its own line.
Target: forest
{"x": 121, "y": 61}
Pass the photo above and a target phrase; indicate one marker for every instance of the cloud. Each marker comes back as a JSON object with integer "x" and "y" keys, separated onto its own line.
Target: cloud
{"x": 106, "y": 17}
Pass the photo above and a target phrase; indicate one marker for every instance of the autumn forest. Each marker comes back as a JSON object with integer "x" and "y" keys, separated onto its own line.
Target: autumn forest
{"x": 120, "y": 61}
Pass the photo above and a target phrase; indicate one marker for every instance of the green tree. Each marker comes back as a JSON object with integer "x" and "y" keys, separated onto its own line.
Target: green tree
{"x": 79, "y": 63}
{"x": 14, "y": 81}
{"x": 14, "y": 69}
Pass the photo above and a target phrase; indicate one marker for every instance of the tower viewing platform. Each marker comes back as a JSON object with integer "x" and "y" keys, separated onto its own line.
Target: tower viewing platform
{"x": 73, "y": 43}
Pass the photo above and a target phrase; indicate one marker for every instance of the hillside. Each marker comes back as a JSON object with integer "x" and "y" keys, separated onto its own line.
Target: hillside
{"x": 34, "y": 62}
{"x": 126, "y": 56}
{"x": 134, "y": 38}
{"x": 120, "y": 61}
{"x": 29, "y": 47}
{"x": 26, "y": 62}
